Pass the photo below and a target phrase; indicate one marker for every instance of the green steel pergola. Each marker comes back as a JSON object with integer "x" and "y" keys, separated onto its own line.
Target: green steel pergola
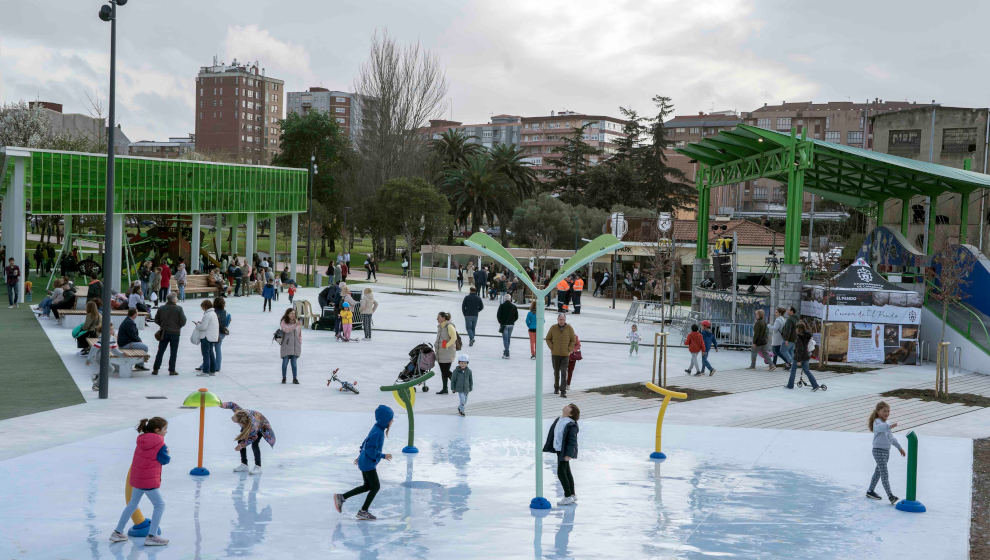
{"x": 854, "y": 176}
{"x": 51, "y": 182}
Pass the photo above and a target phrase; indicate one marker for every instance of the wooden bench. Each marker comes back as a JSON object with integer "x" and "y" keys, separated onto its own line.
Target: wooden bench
{"x": 122, "y": 361}
{"x": 196, "y": 284}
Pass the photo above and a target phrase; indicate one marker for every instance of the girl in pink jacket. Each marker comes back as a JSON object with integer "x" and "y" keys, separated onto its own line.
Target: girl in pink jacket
{"x": 146, "y": 477}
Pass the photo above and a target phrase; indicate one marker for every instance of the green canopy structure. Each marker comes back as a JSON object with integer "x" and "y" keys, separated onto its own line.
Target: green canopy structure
{"x": 853, "y": 176}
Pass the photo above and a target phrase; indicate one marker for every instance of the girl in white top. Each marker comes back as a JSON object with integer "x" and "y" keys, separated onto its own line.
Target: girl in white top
{"x": 882, "y": 440}
{"x": 208, "y": 333}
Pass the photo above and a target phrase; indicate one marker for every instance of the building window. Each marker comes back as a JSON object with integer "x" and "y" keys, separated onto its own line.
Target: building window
{"x": 486, "y": 134}
{"x": 339, "y": 110}
{"x": 679, "y": 130}
{"x": 763, "y": 123}
{"x": 828, "y": 122}
{"x": 341, "y": 100}
{"x": 237, "y": 91}
{"x": 833, "y": 136}
{"x": 694, "y": 130}
{"x": 783, "y": 123}
{"x": 341, "y": 120}
{"x": 854, "y": 137}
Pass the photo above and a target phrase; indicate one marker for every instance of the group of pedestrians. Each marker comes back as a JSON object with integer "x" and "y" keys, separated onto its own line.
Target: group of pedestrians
{"x": 788, "y": 339}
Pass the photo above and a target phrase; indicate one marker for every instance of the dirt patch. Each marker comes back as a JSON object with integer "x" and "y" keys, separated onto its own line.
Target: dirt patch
{"x": 639, "y": 391}
{"x": 967, "y": 399}
{"x": 979, "y": 525}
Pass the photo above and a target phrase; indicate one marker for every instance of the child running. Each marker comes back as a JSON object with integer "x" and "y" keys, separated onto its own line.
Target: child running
{"x": 696, "y": 345}
{"x": 562, "y": 440}
{"x": 346, "y": 321}
{"x": 254, "y": 427}
{"x": 882, "y": 439}
{"x": 710, "y": 342}
{"x": 146, "y": 477}
{"x": 634, "y": 339}
{"x": 292, "y": 291}
{"x": 268, "y": 292}
{"x": 461, "y": 381}
{"x": 370, "y": 455}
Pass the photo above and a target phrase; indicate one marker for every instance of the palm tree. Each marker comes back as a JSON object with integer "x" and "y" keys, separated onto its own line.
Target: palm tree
{"x": 507, "y": 160}
{"x": 474, "y": 189}
{"x": 451, "y": 150}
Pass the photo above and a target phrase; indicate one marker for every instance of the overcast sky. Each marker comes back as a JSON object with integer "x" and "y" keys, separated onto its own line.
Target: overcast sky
{"x": 521, "y": 57}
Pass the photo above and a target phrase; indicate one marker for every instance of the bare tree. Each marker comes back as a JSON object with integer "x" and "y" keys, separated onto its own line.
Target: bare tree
{"x": 951, "y": 267}
{"x": 825, "y": 265}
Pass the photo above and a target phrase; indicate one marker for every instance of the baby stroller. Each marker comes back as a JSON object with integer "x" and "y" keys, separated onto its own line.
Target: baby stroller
{"x": 421, "y": 360}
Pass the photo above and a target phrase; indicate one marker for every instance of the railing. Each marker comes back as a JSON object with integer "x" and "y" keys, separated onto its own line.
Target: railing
{"x": 924, "y": 352}
{"x": 935, "y": 307}
{"x": 956, "y": 360}
{"x": 656, "y": 311}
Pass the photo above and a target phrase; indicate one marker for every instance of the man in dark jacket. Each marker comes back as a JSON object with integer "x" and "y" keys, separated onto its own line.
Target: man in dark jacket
{"x": 470, "y": 307}
{"x": 507, "y": 316}
{"x": 761, "y": 341}
{"x": 481, "y": 281}
{"x": 789, "y": 334}
{"x": 170, "y": 318}
{"x": 128, "y": 337}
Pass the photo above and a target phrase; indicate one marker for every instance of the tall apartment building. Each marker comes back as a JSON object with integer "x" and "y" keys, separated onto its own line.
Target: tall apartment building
{"x": 541, "y": 136}
{"x": 177, "y": 147}
{"x": 684, "y": 129}
{"x": 953, "y": 136}
{"x": 501, "y": 129}
{"x": 346, "y": 108}
{"x": 237, "y": 112}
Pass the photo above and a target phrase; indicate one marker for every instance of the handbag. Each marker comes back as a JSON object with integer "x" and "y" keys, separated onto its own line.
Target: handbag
{"x": 158, "y": 335}
{"x": 575, "y": 356}
{"x": 78, "y": 331}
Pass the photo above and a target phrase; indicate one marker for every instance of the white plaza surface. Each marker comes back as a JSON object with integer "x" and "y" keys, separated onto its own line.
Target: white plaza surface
{"x": 724, "y": 492}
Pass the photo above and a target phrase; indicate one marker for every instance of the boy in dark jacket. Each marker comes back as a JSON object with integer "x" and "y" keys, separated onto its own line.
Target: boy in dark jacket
{"x": 562, "y": 440}
{"x": 367, "y": 461}
{"x": 507, "y": 316}
{"x": 470, "y": 307}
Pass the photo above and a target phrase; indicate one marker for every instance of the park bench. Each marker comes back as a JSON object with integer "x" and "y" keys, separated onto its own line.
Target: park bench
{"x": 122, "y": 361}
{"x": 73, "y": 317}
{"x": 196, "y": 284}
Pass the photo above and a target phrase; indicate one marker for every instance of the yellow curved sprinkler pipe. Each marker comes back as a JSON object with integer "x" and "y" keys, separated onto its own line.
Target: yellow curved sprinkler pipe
{"x": 667, "y": 395}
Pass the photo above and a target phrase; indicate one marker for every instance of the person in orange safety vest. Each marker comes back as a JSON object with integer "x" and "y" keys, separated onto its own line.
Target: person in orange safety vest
{"x": 576, "y": 289}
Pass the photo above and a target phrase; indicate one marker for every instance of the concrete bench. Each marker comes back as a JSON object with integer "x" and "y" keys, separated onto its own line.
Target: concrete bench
{"x": 122, "y": 361}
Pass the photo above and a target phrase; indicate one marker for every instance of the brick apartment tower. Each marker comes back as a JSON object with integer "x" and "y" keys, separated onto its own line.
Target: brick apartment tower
{"x": 237, "y": 112}
{"x": 344, "y": 107}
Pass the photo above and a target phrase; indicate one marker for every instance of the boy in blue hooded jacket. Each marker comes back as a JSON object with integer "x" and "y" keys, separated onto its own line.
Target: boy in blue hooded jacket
{"x": 367, "y": 461}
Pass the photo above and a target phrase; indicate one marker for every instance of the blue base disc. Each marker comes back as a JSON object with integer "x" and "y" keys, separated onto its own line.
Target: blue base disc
{"x": 199, "y": 471}
{"x": 141, "y": 529}
{"x": 539, "y": 503}
{"x": 410, "y": 449}
{"x": 658, "y": 455}
{"x": 912, "y": 506}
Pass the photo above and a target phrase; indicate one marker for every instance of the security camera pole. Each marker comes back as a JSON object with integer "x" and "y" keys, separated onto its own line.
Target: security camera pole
{"x": 109, "y": 13}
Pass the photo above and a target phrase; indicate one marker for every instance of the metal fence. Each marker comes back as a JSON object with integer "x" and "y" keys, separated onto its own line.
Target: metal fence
{"x": 657, "y": 311}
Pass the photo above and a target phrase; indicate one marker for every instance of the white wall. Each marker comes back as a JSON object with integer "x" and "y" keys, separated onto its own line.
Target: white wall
{"x": 973, "y": 357}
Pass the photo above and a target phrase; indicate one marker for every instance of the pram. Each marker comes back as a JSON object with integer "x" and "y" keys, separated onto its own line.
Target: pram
{"x": 421, "y": 360}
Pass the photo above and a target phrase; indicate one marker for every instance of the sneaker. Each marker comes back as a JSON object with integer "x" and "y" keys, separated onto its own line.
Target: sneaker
{"x": 872, "y": 495}
{"x": 772, "y": 368}
{"x": 563, "y": 394}
{"x": 461, "y": 412}
{"x": 199, "y": 369}
{"x": 471, "y": 343}
{"x": 155, "y": 540}
{"x": 295, "y": 382}
{"x": 700, "y": 373}
{"x": 443, "y": 392}
{"x": 255, "y": 470}
{"x": 532, "y": 357}
{"x": 338, "y": 502}
{"x": 117, "y": 536}
{"x": 241, "y": 468}
{"x": 688, "y": 371}
{"x": 556, "y": 390}
{"x": 813, "y": 389}
{"x": 173, "y": 373}
{"x": 141, "y": 367}
{"x": 203, "y": 374}
{"x": 154, "y": 372}
{"x": 365, "y": 516}
{"x": 893, "y": 500}
{"x": 711, "y": 373}
{"x": 569, "y": 500}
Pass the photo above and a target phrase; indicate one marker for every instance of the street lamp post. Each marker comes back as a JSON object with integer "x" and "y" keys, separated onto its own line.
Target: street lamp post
{"x": 346, "y": 232}
{"x": 309, "y": 220}
{"x": 108, "y": 12}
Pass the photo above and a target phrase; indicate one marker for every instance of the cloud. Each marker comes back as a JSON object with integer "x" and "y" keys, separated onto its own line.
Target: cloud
{"x": 248, "y": 43}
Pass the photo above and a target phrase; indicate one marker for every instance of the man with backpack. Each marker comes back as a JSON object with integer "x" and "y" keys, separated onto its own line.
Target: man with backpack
{"x": 789, "y": 333}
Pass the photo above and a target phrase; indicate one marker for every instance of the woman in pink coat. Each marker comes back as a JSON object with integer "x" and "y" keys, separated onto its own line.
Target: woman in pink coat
{"x": 146, "y": 477}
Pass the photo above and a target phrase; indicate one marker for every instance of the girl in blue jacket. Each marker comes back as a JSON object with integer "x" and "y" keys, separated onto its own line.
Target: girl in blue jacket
{"x": 531, "y": 326}
{"x": 710, "y": 342}
{"x": 370, "y": 455}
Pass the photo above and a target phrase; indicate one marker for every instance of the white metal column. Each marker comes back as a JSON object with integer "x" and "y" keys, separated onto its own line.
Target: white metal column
{"x": 293, "y": 242}
{"x": 249, "y": 247}
{"x": 15, "y": 230}
{"x": 234, "y": 225}
{"x": 272, "y": 243}
{"x": 116, "y": 249}
{"x": 218, "y": 236}
{"x": 194, "y": 244}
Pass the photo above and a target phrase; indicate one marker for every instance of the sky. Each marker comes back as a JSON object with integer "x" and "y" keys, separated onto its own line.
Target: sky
{"x": 508, "y": 56}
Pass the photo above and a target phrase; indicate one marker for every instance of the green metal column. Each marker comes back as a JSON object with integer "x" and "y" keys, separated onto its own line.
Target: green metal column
{"x": 880, "y": 209}
{"x": 905, "y": 207}
{"x": 932, "y": 218}
{"x": 701, "y": 251}
{"x": 963, "y": 217}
